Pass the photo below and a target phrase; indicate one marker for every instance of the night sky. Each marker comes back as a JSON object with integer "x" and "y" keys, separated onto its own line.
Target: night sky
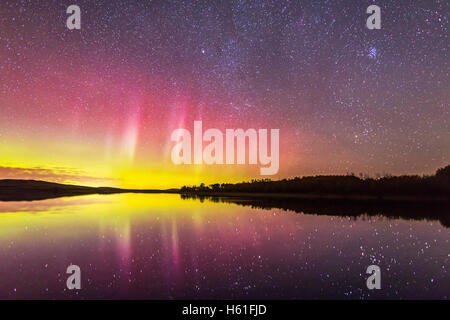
{"x": 98, "y": 105}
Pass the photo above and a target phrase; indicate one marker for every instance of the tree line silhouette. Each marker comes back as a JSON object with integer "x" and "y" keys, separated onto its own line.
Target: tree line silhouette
{"x": 437, "y": 185}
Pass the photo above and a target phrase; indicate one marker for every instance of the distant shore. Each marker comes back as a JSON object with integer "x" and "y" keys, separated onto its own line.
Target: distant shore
{"x": 316, "y": 196}
{"x": 412, "y": 188}
{"x": 30, "y": 190}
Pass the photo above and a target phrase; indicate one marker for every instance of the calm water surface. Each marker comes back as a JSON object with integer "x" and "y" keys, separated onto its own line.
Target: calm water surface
{"x": 163, "y": 247}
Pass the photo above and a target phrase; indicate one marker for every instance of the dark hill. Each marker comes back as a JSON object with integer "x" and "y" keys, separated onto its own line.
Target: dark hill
{"x": 27, "y": 190}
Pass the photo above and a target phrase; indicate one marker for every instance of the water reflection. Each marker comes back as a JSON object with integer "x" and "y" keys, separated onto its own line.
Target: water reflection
{"x": 161, "y": 246}
{"x": 411, "y": 210}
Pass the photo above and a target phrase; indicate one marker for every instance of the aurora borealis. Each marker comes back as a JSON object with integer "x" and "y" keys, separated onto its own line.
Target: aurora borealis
{"x": 97, "y": 106}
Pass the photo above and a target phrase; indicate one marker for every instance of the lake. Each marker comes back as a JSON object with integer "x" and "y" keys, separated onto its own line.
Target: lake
{"x": 160, "y": 246}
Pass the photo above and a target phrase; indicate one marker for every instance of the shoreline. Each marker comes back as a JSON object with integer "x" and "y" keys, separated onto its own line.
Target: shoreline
{"x": 317, "y": 196}
{"x": 32, "y": 190}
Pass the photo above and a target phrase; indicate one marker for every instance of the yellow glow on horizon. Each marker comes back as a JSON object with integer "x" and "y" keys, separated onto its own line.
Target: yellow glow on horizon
{"x": 90, "y": 165}
{"x": 166, "y": 177}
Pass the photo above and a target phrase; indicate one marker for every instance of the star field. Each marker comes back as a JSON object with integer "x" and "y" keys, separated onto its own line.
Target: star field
{"x": 345, "y": 98}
